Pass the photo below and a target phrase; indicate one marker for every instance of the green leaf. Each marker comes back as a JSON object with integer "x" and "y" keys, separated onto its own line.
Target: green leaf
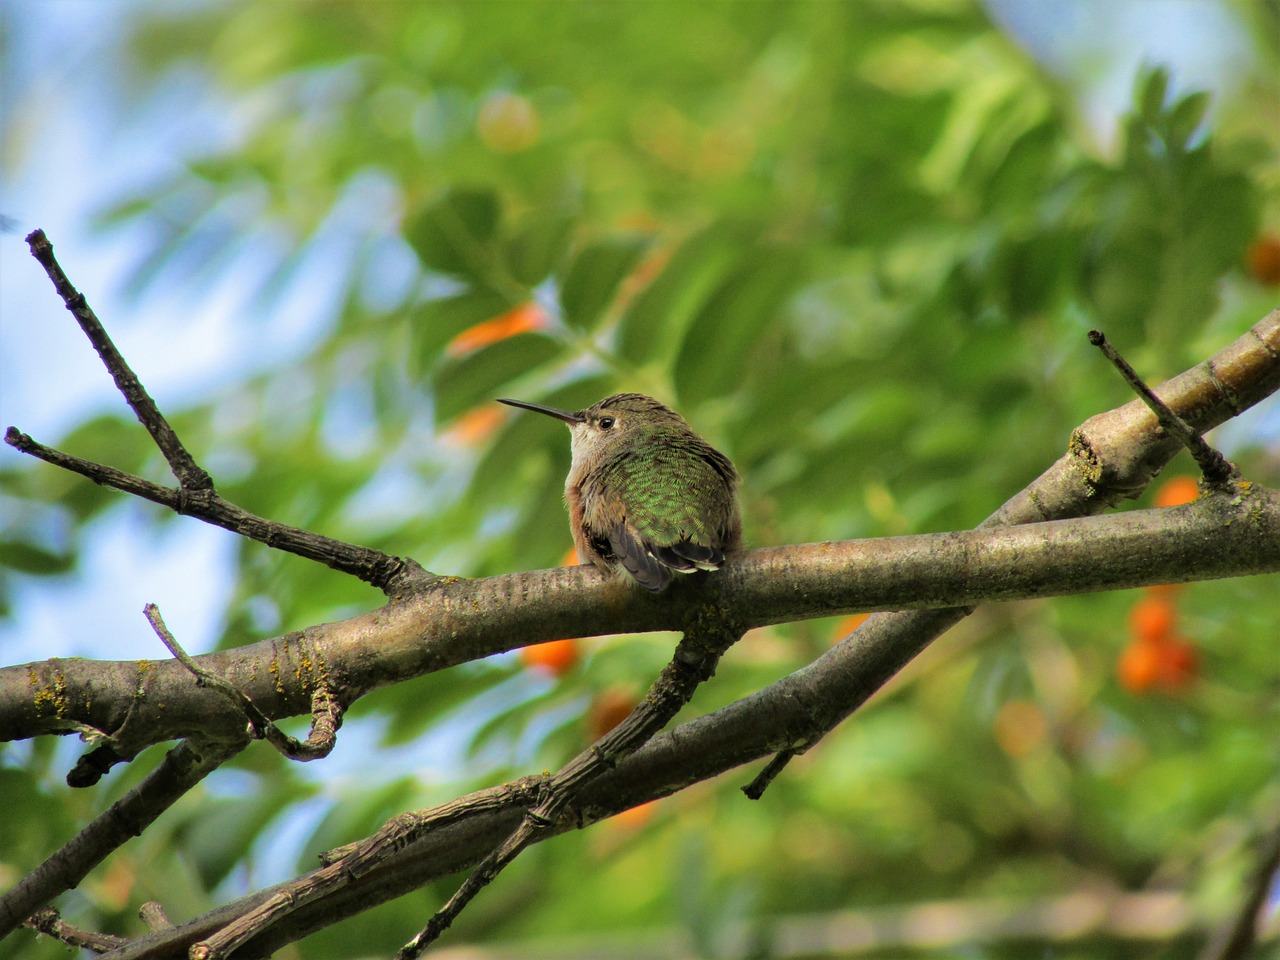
{"x": 594, "y": 276}
{"x": 456, "y": 233}
{"x": 656, "y": 319}
{"x": 29, "y": 558}
{"x": 1186, "y": 117}
{"x": 479, "y": 377}
{"x": 436, "y": 322}
{"x": 743, "y": 305}
{"x": 1153, "y": 88}
{"x": 538, "y": 248}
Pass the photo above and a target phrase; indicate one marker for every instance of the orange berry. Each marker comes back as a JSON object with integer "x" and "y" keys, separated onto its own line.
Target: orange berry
{"x": 1152, "y": 618}
{"x": 1263, "y": 260}
{"x": 1179, "y": 664}
{"x": 570, "y": 558}
{"x": 846, "y": 625}
{"x": 556, "y": 657}
{"x": 1139, "y": 667}
{"x": 635, "y": 817}
{"x": 609, "y": 709}
{"x": 1176, "y": 491}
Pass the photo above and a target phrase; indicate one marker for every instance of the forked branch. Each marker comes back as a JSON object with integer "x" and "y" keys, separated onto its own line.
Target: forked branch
{"x": 326, "y": 708}
{"x": 1216, "y": 468}
{"x": 195, "y": 494}
{"x": 192, "y": 479}
{"x": 705, "y": 641}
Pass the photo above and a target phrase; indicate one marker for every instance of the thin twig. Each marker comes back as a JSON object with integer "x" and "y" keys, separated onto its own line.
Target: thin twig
{"x": 326, "y": 709}
{"x": 182, "y": 768}
{"x": 153, "y": 915}
{"x": 49, "y": 921}
{"x": 1216, "y": 468}
{"x": 191, "y": 477}
{"x": 195, "y": 494}
{"x": 756, "y": 788}
{"x": 1236, "y": 940}
{"x": 93, "y": 765}
{"x": 696, "y": 655}
{"x": 390, "y": 574}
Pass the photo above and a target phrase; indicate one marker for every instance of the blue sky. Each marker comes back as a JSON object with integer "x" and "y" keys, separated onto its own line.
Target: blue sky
{"x": 77, "y": 147}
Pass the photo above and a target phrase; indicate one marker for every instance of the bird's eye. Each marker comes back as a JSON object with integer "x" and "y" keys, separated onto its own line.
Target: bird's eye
{"x": 606, "y": 423}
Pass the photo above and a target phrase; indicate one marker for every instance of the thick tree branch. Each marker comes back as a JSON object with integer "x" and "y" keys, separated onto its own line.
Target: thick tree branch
{"x": 467, "y": 620}
{"x": 795, "y": 710}
{"x": 326, "y": 709}
{"x": 1111, "y": 456}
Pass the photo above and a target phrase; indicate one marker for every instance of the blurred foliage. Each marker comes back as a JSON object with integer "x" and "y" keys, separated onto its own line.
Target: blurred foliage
{"x": 858, "y": 246}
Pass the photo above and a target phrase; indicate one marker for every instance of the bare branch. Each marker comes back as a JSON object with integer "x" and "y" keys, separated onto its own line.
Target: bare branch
{"x": 389, "y": 574}
{"x": 1215, "y": 467}
{"x": 182, "y": 768}
{"x": 1218, "y": 536}
{"x": 195, "y": 494}
{"x": 1111, "y": 456}
{"x": 1236, "y": 940}
{"x": 326, "y": 709}
{"x": 706, "y": 639}
{"x": 1114, "y": 456}
{"x": 49, "y": 921}
{"x": 191, "y": 477}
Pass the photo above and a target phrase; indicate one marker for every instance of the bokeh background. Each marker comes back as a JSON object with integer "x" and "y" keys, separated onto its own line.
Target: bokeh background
{"x": 857, "y": 243}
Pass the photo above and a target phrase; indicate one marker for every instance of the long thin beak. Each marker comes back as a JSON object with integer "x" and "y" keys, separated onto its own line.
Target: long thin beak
{"x": 564, "y": 415}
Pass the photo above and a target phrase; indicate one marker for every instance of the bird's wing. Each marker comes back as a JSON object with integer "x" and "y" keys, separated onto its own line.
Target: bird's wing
{"x": 638, "y": 557}
{"x": 687, "y": 556}
{"x": 667, "y": 522}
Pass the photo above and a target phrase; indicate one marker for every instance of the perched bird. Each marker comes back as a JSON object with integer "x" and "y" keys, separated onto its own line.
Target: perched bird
{"x": 644, "y": 491}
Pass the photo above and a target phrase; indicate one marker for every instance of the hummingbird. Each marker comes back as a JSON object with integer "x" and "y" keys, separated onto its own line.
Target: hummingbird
{"x": 644, "y": 492}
